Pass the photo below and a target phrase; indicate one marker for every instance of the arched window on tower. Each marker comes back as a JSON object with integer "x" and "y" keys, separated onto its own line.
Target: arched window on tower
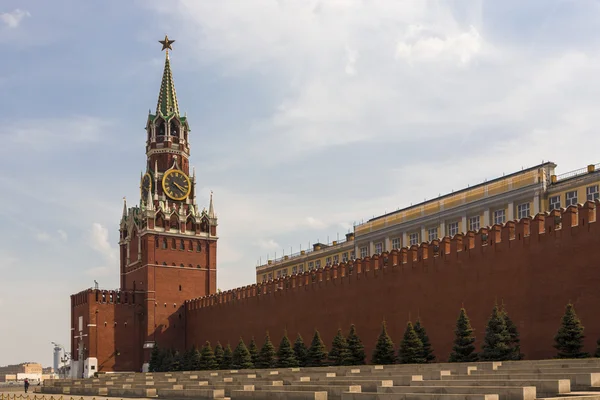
{"x": 160, "y": 130}
{"x": 198, "y": 246}
{"x": 191, "y": 246}
{"x": 164, "y": 243}
{"x": 174, "y": 129}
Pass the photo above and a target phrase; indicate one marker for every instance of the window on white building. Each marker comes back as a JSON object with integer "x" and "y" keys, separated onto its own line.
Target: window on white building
{"x": 395, "y": 243}
{"x": 328, "y": 261}
{"x": 344, "y": 257}
{"x": 523, "y": 210}
{"x": 414, "y": 238}
{"x": 284, "y": 272}
{"x": 432, "y": 233}
{"x": 592, "y": 193}
{"x": 554, "y": 202}
{"x": 318, "y": 264}
{"x": 264, "y": 278}
{"x": 311, "y": 266}
{"x": 379, "y": 248}
{"x": 499, "y": 217}
{"x": 336, "y": 259}
{"x": 474, "y": 223}
{"x": 352, "y": 255}
{"x": 364, "y": 251}
{"x": 452, "y": 229}
{"x": 279, "y": 274}
{"x": 271, "y": 276}
{"x": 301, "y": 268}
{"x": 294, "y": 270}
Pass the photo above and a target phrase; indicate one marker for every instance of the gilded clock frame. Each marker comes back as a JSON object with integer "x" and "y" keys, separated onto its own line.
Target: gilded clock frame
{"x": 171, "y": 172}
{"x": 142, "y": 184}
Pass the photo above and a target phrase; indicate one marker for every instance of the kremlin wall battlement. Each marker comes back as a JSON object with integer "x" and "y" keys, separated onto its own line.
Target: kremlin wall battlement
{"x": 534, "y": 266}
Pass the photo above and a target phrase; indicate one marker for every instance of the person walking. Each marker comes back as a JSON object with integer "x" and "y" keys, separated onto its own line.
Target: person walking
{"x": 26, "y": 384}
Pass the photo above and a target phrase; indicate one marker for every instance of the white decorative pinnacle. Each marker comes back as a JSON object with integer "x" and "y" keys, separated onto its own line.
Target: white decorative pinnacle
{"x": 155, "y": 180}
{"x": 149, "y": 201}
{"x": 211, "y": 209}
{"x": 124, "y": 207}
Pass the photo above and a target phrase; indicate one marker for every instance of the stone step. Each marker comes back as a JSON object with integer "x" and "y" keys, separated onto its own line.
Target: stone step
{"x": 543, "y": 386}
{"x": 208, "y": 393}
{"x": 503, "y": 392}
{"x": 417, "y": 396}
{"x": 398, "y": 380}
{"x": 366, "y": 385}
{"x": 333, "y": 391}
{"x": 277, "y": 395}
{"x": 546, "y": 370}
{"x": 578, "y": 380}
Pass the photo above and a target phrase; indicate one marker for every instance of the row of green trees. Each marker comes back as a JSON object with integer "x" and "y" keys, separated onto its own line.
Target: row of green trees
{"x": 347, "y": 350}
{"x": 500, "y": 343}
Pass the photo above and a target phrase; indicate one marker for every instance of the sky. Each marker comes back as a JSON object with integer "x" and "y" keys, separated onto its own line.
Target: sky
{"x": 307, "y": 117}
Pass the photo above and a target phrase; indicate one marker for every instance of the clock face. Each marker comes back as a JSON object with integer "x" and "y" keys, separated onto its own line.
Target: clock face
{"x": 176, "y": 184}
{"x": 146, "y": 185}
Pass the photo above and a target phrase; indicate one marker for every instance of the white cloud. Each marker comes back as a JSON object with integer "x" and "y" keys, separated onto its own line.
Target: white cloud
{"x": 54, "y": 133}
{"x": 315, "y": 223}
{"x": 13, "y": 19}
{"x": 62, "y": 235}
{"x": 98, "y": 240}
{"x": 42, "y": 237}
{"x": 268, "y": 244}
{"x": 45, "y": 237}
{"x": 421, "y": 45}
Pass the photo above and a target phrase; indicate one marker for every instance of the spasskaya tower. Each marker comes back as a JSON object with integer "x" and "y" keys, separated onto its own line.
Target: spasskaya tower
{"x": 168, "y": 245}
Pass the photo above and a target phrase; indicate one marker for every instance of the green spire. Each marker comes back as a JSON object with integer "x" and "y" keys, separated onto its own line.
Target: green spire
{"x": 167, "y": 98}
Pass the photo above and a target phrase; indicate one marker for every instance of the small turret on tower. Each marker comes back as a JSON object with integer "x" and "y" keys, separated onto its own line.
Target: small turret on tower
{"x": 211, "y": 208}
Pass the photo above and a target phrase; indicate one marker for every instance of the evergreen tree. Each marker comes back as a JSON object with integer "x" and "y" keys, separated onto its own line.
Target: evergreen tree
{"x": 569, "y": 338}
{"x": 207, "y": 357}
{"x": 515, "y": 341}
{"x": 241, "y": 357}
{"x": 267, "y": 355}
{"x": 384, "y": 352}
{"x": 356, "y": 347}
{"x": 496, "y": 342}
{"x": 219, "y": 352}
{"x": 340, "y": 354}
{"x": 463, "y": 349}
{"x": 428, "y": 355}
{"x": 285, "y": 354}
{"x": 411, "y": 347}
{"x": 155, "y": 359}
{"x": 597, "y": 353}
{"x": 300, "y": 351}
{"x": 194, "y": 359}
{"x": 253, "y": 349}
{"x": 317, "y": 353}
{"x": 186, "y": 360}
{"x": 177, "y": 362}
{"x": 227, "y": 358}
{"x": 168, "y": 361}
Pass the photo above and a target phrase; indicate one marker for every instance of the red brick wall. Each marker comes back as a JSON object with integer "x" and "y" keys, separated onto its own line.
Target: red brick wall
{"x": 109, "y": 328}
{"x": 532, "y": 266}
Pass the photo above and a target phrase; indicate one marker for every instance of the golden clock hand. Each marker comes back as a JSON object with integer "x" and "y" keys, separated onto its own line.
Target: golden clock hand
{"x": 179, "y": 186}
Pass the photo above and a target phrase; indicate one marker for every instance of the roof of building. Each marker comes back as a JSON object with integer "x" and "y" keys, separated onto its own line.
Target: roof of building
{"x": 548, "y": 163}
